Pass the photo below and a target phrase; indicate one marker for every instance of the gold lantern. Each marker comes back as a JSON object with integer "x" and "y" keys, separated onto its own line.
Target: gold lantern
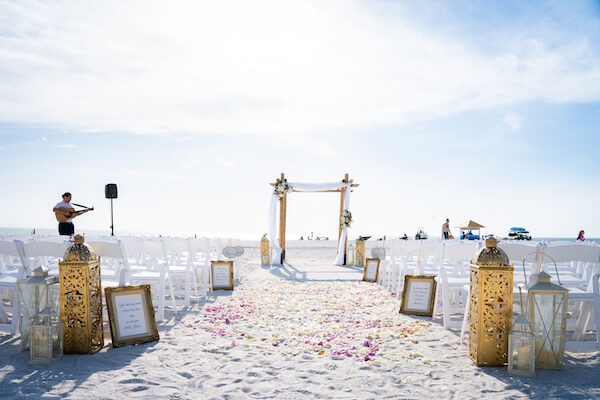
{"x": 548, "y": 313}
{"x": 45, "y": 337}
{"x": 359, "y": 253}
{"x": 81, "y": 299}
{"x": 35, "y": 293}
{"x": 265, "y": 251}
{"x": 521, "y": 349}
{"x": 490, "y": 305}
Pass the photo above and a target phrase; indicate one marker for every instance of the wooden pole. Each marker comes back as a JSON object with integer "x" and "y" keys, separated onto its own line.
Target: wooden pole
{"x": 342, "y": 198}
{"x": 282, "y": 217}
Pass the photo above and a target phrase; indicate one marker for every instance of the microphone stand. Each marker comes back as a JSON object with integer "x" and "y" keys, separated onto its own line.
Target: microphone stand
{"x": 112, "y": 228}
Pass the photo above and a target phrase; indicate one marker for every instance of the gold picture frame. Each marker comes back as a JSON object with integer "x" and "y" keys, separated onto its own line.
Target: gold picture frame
{"x": 221, "y": 280}
{"x": 131, "y": 315}
{"x": 418, "y": 295}
{"x": 368, "y": 274}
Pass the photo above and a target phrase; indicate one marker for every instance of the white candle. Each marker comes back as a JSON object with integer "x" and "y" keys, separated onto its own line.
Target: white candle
{"x": 523, "y": 354}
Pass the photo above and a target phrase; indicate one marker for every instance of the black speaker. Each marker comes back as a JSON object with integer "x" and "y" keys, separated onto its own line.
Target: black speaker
{"x": 110, "y": 191}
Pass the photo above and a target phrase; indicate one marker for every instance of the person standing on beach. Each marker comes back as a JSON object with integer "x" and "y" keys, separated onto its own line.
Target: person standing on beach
{"x": 65, "y": 214}
{"x": 446, "y": 230}
{"x": 580, "y": 237}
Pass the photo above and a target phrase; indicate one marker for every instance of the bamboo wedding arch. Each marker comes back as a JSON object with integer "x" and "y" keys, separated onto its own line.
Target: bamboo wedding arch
{"x": 344, "y": 188}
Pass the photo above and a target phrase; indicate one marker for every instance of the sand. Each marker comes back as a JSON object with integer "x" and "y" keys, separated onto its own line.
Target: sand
{"x": 305, "y": 330}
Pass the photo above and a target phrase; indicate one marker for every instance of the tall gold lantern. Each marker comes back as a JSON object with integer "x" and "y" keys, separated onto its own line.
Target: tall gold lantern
{"x": 548, "y": 314}
{"x": 490, "y": 305}
{"x": 81, "y": 299}
{"x": 359, "y": 253}
{"x": 265, "y": 251}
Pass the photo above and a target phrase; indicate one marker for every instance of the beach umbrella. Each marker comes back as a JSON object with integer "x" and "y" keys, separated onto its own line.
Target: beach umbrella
{"x": 470, "y": 224}
{"x": 467, "y": 227}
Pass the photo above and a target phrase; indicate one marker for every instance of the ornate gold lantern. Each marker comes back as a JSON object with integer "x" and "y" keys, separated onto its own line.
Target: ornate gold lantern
{"x": 81, "y": 299}
{"x": 521, "y": 349}
{"x": 548, "y": 313}
{"x": 490, "y": 305}
{"x": 265, "y": 251}
{"x": 359, "y": 253}
{"x": 35, "y": 293}
{"x": 45, "y": 337}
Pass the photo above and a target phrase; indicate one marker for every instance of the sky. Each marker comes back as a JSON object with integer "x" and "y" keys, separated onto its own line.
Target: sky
{"x": 463, "y": 110}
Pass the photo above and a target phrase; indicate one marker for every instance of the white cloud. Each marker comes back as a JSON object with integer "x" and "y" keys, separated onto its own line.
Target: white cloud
{"x": 513, "y": 121}
{"x": 265, "y": 68}
{"x": 65, "y": 146}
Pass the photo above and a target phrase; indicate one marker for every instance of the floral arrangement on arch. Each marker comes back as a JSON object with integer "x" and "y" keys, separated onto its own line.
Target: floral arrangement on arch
{"x": 346, "y": 219}
{"x": 281, "y": 188}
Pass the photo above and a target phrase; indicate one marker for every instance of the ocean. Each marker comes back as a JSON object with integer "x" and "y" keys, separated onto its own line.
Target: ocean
{"x": 243, "y": 236}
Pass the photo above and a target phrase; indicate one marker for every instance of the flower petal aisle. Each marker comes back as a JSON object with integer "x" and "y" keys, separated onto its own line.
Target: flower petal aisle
{"x": 350, "y": 319}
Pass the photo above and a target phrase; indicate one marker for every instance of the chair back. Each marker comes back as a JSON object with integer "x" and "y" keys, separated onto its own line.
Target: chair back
{"x": 460, "y": 250}
{"x": 45, "y": 249}
{"x": 565, "y": 252}
{"x": 39, "y": 251}
{"x": 518, "y": 251}
{"x": 8, "y": 251}
{"x": 116, "y": 251}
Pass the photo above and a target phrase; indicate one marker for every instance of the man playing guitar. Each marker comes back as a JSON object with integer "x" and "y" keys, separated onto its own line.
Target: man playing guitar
{"x": 65, "y": 214}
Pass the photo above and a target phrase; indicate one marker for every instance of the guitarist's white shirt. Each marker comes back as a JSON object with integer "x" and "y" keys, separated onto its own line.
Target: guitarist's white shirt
{"x": 63, "y": 204}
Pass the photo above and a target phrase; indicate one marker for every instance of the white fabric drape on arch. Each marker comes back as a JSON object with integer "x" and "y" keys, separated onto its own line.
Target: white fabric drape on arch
{"x": 339, "y": 259}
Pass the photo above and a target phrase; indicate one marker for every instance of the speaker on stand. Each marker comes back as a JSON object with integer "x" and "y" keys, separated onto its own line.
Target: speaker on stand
{"x": 110, "y": 192}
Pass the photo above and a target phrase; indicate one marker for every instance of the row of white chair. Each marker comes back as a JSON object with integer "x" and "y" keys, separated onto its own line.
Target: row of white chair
{"x": 577, "y": 266}
{"x": 176, "y": 268}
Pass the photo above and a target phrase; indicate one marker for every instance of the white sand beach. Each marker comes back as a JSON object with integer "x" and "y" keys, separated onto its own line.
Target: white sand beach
{"x": 303, "y": 330}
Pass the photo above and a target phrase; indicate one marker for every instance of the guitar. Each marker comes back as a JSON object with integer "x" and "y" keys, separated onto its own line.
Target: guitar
{"x": 64, "y": 214}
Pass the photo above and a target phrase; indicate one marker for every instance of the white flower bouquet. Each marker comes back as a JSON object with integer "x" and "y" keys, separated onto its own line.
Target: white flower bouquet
{"x": 281, "y": 188}
{"x": 346, "y": 219}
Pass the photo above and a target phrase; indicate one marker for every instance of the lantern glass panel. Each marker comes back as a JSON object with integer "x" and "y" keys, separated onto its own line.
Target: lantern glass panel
{"x": 31, "y": 298}
{"x": 548, "y": 316}
{"x": 521, "y": 355}
{"x": 35, "y": 293}
{"x": 45, "y": 338}
{"x": 40, "y": 345}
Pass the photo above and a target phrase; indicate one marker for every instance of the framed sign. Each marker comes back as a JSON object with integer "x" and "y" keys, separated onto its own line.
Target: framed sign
{"x": 130, "y": 315}
{"x": 222, "y": 275}
{"x": 371, "y": 272}
{"x": 418, "y": 295}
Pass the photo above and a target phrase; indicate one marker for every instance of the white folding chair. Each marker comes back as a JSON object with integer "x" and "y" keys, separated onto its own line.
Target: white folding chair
{"x": 11, "y": 272}
{"x": 180, "y": 266}
{"x": 43, "y": 253}
{"x": 199, "y": 250}
{"x": 115, "y": 274}
{"x": 154, "y": 271}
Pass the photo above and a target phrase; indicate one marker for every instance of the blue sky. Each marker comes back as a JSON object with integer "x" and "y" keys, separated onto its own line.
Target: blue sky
{"x": 470, "y": 110}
